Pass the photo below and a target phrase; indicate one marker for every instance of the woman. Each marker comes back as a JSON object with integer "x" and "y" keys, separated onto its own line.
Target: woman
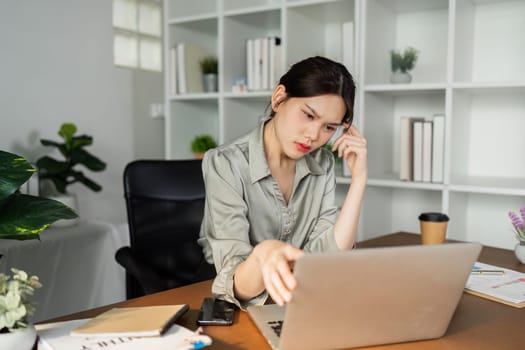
{"x": 270, "y": 194}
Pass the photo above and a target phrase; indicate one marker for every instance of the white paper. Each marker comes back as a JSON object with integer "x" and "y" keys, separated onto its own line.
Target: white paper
{"x": 510, "y": 286}
{"x": 55, "y": 336}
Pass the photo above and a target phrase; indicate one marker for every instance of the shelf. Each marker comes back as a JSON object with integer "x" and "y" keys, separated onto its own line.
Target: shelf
{"x": 383, "y": 111}
{"x": 489, "y": 41}
{"x": 489, "y": 185}
{"x": 388, "y": 209}
{"x": 249, "y": 94}
{"x": 398, "y": 24}
{"x": 406, "y": 89}
{"x": 199, "y": 96}
{"x": 234, "y": 7}
{"x": 469, "y": 69}
{"x": 202, "y": 32}
{"x": 183, "y": 9}
{"x": 298, "y": 3}
{"x": 392, "y": 181}
{"x": 483, "y": 218}
{"x": 486, "y": 135}
{"x": 315, "y": 28}
{"x": 251, "y": 10}
{"x": 190, "y": 19}
{"x": 238, "y": 29}
{"x": 489, "y": 87}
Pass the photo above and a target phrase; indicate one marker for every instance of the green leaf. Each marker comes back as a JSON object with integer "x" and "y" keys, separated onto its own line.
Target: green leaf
{"x": 49, "y": 166}
{"x": 67, "y": 130}
{"x": 81, "y": 156}
{"x": 79, "y": 176}
{"x": 81, "y": 141}
{"x": 46, "y": 142}
{"x": 91, "y": 184}
{"x": 26, "y": 216}
{"x": 14, "y": 172}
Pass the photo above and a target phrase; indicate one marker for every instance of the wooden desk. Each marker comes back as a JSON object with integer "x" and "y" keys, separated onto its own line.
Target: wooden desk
{"x": 477, "y": 323}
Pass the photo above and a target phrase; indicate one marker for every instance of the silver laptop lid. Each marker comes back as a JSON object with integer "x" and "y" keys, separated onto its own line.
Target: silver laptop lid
{"x": 376, "y": 296}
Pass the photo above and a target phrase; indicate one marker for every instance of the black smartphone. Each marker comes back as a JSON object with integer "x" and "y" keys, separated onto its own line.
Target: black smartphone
{"x": 216, "y": 312}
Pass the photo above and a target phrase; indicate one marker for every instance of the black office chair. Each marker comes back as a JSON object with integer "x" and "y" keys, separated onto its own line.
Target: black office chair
{"x": 165, "y": 205}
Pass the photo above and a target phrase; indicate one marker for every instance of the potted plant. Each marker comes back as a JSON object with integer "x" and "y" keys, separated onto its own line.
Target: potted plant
{"x": 63, "y": 173}
{"x": 401, "y": 64}
{"x": 209, "y": 69}
{"x": 22, "y": 217}
{"x": 518, "y": 225}
{"x": 16, "y": 332}
{"x": 202, "y": 143}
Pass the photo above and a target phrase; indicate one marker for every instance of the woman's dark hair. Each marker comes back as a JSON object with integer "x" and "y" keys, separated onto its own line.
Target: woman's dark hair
{"x": 315, "y": 76}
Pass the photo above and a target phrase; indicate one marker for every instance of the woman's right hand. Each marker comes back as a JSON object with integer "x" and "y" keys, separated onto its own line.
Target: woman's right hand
{"x": 276, "y": 260}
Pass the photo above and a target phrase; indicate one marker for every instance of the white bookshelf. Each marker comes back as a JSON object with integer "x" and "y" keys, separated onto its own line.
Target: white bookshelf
{"x": 470, "y": 69}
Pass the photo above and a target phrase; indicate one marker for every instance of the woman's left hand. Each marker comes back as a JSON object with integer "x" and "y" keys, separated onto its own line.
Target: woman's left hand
{"x": 351, "y": 146}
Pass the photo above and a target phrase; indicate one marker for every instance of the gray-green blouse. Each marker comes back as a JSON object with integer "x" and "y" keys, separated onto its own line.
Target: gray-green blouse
{"x": 244, "y": 206}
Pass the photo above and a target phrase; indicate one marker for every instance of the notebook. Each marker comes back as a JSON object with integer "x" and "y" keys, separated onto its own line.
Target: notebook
{"x": 142, "y": 321}
{"x": 369, "y": 297}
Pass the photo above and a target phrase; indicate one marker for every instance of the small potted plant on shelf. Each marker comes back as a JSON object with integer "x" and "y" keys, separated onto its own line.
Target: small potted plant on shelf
{"x": 401, "y": 64}
{"x": 202, "y": 143}
{"x": 519, "y": 229}
{"x": 209, "y": 69}
{"x": 63, "y": 173}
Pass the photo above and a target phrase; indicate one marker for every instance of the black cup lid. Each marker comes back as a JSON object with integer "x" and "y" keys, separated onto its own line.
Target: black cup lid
{"x": 433, "y": 217}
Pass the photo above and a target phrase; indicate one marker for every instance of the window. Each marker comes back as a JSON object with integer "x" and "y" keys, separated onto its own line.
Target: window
{"x": 137, "y": 34}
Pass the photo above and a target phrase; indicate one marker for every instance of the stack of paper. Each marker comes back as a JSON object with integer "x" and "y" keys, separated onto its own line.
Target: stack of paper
{"x": 56, "y": 336}
{"x": 499, "y": 284}
{"x": 146, "y": 327}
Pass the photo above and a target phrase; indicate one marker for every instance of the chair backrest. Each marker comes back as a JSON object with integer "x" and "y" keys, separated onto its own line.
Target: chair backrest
{"x": 165, "y": 205}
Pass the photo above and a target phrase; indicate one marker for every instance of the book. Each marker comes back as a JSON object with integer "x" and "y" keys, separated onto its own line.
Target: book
{"x": 56, "y": 336}
{"x": 250, "y": 64}
{"x": 438, "y": 147}
{"x": 417, "y": 150}
{"x": 172, "y": 71}
{"x": 507, "y": 288}
{"x": 140, "y": 321}
{"x": 405, "y": 149}
{"x": 265, "y": 63}
{"x": 427, "y": 152}
{"x": 275, "y": 61}
{"x": 258, "y": 60}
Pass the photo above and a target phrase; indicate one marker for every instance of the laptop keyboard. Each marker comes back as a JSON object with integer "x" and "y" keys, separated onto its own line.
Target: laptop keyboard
{"x": 276, "y": 326}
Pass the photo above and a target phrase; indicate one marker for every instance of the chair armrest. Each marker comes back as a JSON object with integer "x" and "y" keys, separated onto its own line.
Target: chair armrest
{"x": 148, "y": 278}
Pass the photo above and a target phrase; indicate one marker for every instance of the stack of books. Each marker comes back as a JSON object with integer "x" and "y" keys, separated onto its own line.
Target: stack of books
{"x": 422, "y": 148}
{"x": 263, "y": 63}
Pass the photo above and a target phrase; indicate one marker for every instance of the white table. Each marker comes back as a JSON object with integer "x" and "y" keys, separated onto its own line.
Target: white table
{"x": 76, "y": 266}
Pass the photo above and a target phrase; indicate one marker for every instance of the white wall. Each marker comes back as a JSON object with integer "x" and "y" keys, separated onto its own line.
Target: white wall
{"x": 56, "y": 66}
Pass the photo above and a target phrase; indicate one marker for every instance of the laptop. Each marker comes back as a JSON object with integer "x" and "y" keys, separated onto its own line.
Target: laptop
{"x": 369, "y": 296}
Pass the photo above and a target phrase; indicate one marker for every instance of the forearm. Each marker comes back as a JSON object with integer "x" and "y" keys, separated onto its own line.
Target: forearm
{"x": 248, "y": 281}
{"x": 345, "y": 229}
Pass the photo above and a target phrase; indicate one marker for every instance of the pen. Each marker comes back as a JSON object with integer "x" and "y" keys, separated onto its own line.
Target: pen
{"x": 488, "y": 272}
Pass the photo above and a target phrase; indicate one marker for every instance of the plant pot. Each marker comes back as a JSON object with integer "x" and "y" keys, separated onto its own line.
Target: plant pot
{"x": 19, "y": 339}
{"x": 199, "y": 155}
{"x": 519, "y": 250}
{"x": 209, "y": 82}
{"x": 71, "y": 201}
{"x": 400, "y": 78}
